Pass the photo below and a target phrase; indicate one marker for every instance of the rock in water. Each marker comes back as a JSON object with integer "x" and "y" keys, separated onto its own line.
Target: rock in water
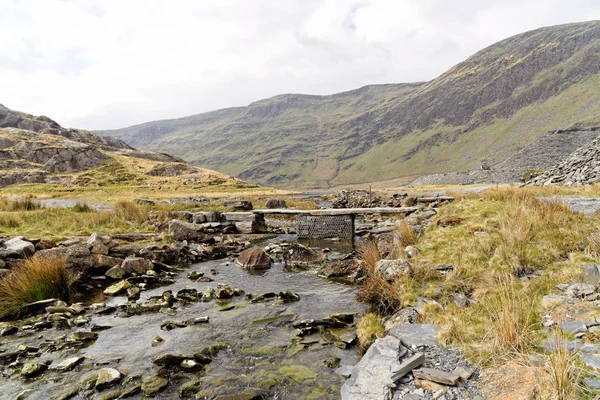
{"x": 297, "y": 256}
{"x": 33, "y": 369}
{"x": 349, "y": 270}
{"x": 153, "y": 384}
{"x": 371, "y": 378}
{"x": 254, "y": 258}
{"x": 117, "y": 288}
{"x": 107, "y": 377}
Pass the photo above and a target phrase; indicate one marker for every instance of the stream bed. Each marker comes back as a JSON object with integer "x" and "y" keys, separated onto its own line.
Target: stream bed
{"x": 263, "y": 352}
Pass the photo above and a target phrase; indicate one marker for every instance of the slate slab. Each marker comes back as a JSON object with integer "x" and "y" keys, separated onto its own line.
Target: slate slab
{"x": 416, "y": 334}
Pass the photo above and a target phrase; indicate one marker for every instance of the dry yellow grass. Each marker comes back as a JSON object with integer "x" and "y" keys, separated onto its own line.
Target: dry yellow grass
{"x": 504, "y": 234}
{"x": 34, "y": 280}
{"x": 405, "y": 235}
{"x": 564, "y": 375}
{"x": 368, "y": 329}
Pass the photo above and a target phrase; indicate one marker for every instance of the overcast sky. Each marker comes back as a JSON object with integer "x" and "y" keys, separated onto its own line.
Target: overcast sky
{"x": 100, "y": 64}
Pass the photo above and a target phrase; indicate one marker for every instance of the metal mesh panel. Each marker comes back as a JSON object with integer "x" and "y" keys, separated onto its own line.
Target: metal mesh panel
{"x": 324, "y": 226}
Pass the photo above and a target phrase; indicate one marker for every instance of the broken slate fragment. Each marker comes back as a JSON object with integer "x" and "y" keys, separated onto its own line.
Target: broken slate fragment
{"x": 436, "y": 375}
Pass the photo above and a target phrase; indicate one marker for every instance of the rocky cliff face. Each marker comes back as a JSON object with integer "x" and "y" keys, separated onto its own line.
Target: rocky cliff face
{"x": 490, "y": 107}
{"x": 38, "y": 150}
{"x": 580, "y": 168}
{"x": 543, "y": 153}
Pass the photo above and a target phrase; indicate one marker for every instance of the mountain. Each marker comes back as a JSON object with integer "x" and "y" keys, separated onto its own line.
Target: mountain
{"x": 37, "y": 150}
{"x": 485, "y": 109}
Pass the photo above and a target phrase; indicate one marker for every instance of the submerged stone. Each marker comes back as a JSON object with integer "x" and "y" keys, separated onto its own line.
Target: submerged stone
{"x": 153, "y": 384}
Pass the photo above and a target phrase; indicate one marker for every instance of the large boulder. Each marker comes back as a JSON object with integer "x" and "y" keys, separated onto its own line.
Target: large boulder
{"x": 16, "y": 247}
{"x": 180, "y": 230}
{"x": 254, "y": 258}
{"x": 348, "y": 270}
{"x": 391, "y": 269}
{"x": 77, "y": 259}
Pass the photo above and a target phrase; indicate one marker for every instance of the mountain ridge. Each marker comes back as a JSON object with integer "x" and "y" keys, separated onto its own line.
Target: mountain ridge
{"x": 487, "y": 107}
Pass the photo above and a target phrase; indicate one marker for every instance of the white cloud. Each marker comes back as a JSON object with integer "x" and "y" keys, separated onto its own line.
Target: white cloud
{"x": 109, "y": 63}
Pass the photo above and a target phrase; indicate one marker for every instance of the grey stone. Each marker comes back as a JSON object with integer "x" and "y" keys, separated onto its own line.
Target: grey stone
{"x": 371, "y": 378}
{"x": 590, "y": 274}
{"x": 136, "y": 264}
{"x": 416, "y": 334}
{"x": 181, "y": 230}
{"x": 344, "y": 371}
{"x": 391, "y": 269}
{"x": 408, "y": 365}
{"x": 99, "y": 243}
{"x": 580, "y": 290}
{"x": 16, "y": 247}
{"x": 592, "y": 383}
{"x": 69, "y": 363}
{"x": 573, "y": 327}
{"x": 460, "y": 299}
{"x": 591, "y": 361}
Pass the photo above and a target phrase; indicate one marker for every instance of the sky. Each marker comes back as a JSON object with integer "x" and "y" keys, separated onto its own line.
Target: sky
{"x": 103, "y": 64}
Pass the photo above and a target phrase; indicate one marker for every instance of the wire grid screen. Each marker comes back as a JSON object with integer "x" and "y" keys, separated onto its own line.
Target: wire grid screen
{"x": 325, "y": 226}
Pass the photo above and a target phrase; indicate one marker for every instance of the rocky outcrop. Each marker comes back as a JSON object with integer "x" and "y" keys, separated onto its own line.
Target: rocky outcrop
{"x": 170, "y": 169}
{"x": 580, "y": 168}
{"x": 33, "y": 148}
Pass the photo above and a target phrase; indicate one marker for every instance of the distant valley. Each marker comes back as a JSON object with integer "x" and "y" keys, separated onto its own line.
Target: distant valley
{"x": 483, "y": 110}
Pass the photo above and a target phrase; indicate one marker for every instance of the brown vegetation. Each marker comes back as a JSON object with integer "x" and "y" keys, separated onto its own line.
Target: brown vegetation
{"x": 34, "y": 280}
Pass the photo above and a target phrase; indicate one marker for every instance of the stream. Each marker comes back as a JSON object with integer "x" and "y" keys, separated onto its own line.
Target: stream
{"x": 263, "y": 351}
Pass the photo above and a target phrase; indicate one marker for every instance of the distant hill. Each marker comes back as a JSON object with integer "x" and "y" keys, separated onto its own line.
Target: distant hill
{"x": 488, "y": 107}
{"x": 37, "y": 150}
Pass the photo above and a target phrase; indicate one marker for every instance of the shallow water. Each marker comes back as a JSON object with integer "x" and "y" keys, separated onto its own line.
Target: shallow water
{"x": 262, "y": 354}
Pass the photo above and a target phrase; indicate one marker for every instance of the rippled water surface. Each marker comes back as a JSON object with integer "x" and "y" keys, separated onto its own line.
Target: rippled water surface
{"x": 262, "y": 353}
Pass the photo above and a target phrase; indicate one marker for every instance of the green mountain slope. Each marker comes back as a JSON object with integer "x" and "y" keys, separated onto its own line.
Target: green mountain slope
{"x": 487, "y": 107}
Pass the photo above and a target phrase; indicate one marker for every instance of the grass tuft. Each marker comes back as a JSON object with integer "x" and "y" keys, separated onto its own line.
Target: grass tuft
{"x": 27, "y": 203}
{"x": 369, "y": 329}
{"x": 563, "y": 373}
{"x": 34, "y": 280}
{"x": 130, "y": 211}
{"x": 405, "y": 235}
{"x": 81, "y": 207}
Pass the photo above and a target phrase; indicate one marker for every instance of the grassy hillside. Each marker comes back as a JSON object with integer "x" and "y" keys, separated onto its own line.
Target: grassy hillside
{"x": 487, "y": 107}
{"x": 38, "y": 156}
